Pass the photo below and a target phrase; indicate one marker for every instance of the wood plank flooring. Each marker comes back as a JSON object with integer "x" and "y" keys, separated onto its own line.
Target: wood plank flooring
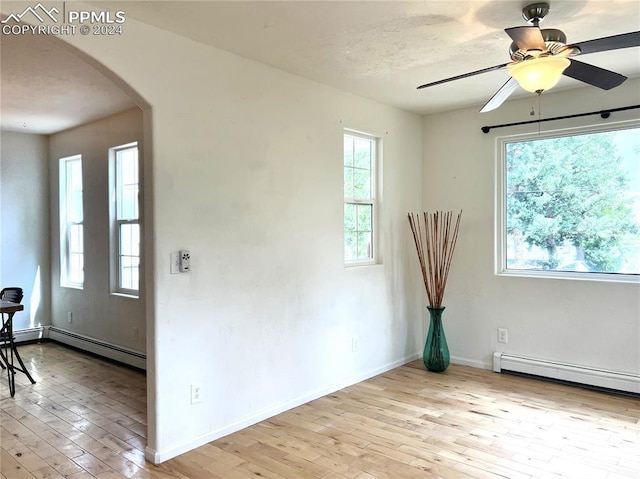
{"x": 86, "y": 418}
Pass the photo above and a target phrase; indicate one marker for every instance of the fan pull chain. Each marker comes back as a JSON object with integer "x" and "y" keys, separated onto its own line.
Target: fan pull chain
{"x": 539, "y": 111}
{"x": 533, "y": 111}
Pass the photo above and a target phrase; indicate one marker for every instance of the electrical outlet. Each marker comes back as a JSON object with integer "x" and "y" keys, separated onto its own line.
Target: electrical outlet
{"x": 69, "y": 317}
{"x": 354, "y": 345}
{"x": 135, "y": 333}
{"x": 196, "y": 393}
{"x": 503, "y": 336}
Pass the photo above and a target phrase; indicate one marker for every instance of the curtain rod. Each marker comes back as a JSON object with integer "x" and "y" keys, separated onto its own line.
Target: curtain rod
{"x": 602, "y": 113}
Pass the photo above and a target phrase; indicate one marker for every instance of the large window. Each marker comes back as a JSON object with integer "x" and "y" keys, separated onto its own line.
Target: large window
{"x": 71, "y": 223}
{"x": 571, "y": 204}
{"x": 360, "y": 153}
{"x": 126, "y": 219}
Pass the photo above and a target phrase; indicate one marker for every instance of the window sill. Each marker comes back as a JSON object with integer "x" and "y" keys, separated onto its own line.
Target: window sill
{"x": 569, "y": 275}
{"x": 361, "y": 263}
{"x": 125, "y": 295}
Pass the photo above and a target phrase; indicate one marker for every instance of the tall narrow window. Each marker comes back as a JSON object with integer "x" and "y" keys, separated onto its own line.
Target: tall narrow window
{"x": 71, "y": 223}
{"x": 126, "y": 217}
{"x": 359, "y": 198}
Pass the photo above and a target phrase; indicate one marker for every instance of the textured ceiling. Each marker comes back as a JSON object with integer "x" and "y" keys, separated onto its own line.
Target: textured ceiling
{"x": 45, "y": 89}
{"x": 376, "y": 49}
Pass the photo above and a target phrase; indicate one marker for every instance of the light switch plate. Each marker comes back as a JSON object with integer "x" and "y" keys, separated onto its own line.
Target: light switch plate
{"x": 175, "y": 263}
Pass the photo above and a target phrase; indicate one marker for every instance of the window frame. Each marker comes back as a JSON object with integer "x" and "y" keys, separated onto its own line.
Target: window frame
{"x": 376, "y": 143}
{"x": 66, "y": 225}
{"x": 117, "y": 223}
{"x": 500, "y": 257}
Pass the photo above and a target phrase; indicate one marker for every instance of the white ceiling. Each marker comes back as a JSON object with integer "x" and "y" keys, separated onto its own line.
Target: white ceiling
{"x": 377, "y": 49}
{"x": 45, "y": 89}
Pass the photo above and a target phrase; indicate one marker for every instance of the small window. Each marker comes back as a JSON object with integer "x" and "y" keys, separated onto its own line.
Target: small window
{"x": 571, "y": 205}
{"x": 360, "y": 154}
{"x": 71, "y": 223}
{"x": 126, "y": 219}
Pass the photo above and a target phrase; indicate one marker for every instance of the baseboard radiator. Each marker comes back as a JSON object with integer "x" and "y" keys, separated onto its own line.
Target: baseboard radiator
{"x": 99, "y": 347}
{"x": 29, "y": 335}
{"x": 567, "y": 372}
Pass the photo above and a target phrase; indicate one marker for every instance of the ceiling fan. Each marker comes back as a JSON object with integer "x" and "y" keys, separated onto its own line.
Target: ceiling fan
{"x": 541, "y": 56}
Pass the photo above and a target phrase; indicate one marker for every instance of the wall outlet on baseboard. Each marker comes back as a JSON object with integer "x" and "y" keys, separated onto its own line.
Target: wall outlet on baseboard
{"x": 354, "y": 345}
{"x": 69, "y": 317}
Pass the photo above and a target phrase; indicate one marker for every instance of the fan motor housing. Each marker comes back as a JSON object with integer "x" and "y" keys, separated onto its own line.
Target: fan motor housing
{"x": 554, "y": 40}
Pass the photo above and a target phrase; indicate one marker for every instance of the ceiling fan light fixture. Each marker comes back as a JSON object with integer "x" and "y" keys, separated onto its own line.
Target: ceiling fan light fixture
{"x": 540, "y": 73}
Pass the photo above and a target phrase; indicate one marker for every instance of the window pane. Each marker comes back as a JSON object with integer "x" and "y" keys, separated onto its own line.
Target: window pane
{"x": 130, "y": 239}
{"x": 350, "y": 217}
{"x": 74, "y": 190}
{"x": 361, "y": 184}
{"x": 364, "y": 218}
{"x": 129, "y": 202}
{"x": 125, "y": 239}
{"x": 76, "y": 268}
{"x": 348, "y": 150}
{"x": 363, "y": 152}
{"x": 573, "y": 203}
{"x": 127, "y": 183}
{"x": 364, "y": 245}
{"x": 348, "y": 182}
{"x": 358, "y": 231}
{"x": 129, "y": 272}
{"x": 351, "y": 246}
{"x": 75, "y": 239}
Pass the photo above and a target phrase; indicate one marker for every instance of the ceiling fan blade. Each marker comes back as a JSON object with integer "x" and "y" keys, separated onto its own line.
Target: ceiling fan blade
{"x": 527, "y": 38}
{"x": 615, "y": 42}
{"x": 464, "y": 75}
{"x": 596, "y": 76}
{"x": 500, "y": 96}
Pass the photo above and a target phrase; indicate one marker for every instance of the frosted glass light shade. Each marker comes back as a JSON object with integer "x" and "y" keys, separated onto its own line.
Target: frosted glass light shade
{"x": 539, "y": 73}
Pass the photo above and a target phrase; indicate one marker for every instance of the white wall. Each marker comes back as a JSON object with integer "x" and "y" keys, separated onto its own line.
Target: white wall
{"x": 588, "y": 323}
{"x": 96, "y": 312}
{"x": 24, "y": 224}
{"x": 247, "y": 174}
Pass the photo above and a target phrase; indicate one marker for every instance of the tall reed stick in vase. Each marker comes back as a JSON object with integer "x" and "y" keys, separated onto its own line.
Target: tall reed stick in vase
{"x": 435, "y": 242}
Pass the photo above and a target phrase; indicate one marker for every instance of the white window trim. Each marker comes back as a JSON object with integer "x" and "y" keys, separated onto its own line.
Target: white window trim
{"x": 373, "y": 201}
{"x": 65, "y": 253}
{"x": 114, "y": 243}
{"x": 501, "y": 208}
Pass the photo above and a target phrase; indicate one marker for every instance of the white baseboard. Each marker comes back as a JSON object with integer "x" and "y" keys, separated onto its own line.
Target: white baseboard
{"x": 470, "y": 362}
{"x": 567, "y": 372}
{"x": 102, "y": 348}
{"x": 156, "y": 457}
{"x": 31, "y": 334}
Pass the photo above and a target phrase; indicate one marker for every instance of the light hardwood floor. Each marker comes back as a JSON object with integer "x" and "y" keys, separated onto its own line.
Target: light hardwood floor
{"x": 85, "y": 418}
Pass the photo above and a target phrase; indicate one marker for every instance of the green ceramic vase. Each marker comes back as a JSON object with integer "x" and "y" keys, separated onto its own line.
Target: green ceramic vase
{"x": 436, "y": 351}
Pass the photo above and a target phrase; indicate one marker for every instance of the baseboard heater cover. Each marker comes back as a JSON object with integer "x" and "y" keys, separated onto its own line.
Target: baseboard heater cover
{"x": 28, "y": 335}
{"x": 567, "y": 372}
{"x": 99, "y": 347}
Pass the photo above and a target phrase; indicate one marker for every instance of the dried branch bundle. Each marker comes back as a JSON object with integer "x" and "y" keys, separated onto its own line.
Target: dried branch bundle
{"x": 435, "y": 242}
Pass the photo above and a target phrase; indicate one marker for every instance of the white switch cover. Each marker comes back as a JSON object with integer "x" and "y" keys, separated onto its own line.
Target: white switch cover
{"x": 175, "y": 263}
